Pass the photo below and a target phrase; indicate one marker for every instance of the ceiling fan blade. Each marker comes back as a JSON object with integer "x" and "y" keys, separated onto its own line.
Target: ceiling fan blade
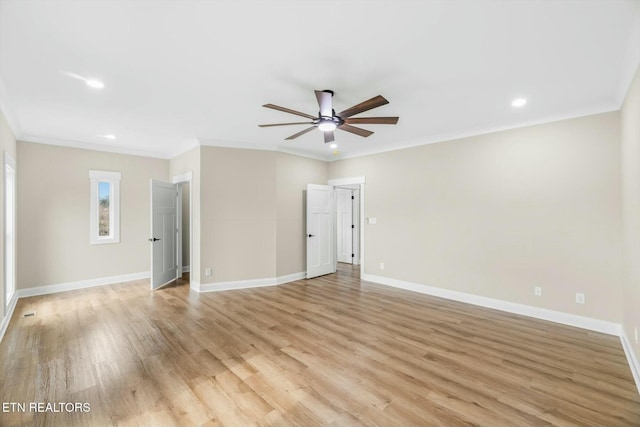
{"x": 295, "y": 135}
{"x": 324, "y": 102}
{"x": 285, "y": 124}
{"x": 287, "y": 110}
{"x": 369, "y": 104}
{"x": 329, "y": 136}
{"x": 372, "y": 120}
{"x": 358, "y": 131}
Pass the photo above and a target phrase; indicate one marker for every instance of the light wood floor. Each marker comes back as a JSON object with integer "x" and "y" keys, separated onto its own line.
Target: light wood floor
{"x": 329, "y": 351}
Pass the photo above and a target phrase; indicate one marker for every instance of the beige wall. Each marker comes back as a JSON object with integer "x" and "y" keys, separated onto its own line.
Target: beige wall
{"x": 7, "y": 144}
{"x": 497, "y": 214}
{"x": 238, "y": 208}
{"x": 254, "y": 209}
{"x": 631, "y": 209}
{"x": 53, "y": 212}
{"x": 184, "y": 163}
{"x": 238, "y": 192}
{"x": 293, "y": 175}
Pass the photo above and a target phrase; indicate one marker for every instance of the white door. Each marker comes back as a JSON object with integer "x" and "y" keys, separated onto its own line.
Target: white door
{"x": 344, "y": 207}
{"x": 320, "y": 231}
{"x": 164, "y": 259}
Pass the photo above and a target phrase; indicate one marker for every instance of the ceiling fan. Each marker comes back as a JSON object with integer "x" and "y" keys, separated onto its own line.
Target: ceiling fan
{"x": 327, "y": 120}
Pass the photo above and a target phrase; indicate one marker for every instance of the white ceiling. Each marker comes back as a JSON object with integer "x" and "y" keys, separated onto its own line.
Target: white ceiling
{"x": 182, "y": 73}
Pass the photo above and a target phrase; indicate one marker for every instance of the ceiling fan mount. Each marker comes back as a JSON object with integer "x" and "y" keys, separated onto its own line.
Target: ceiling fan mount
{"x": 328, "y": 121}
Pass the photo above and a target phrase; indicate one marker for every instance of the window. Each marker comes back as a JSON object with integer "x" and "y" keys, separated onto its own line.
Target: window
{"x": 105, "y": 207}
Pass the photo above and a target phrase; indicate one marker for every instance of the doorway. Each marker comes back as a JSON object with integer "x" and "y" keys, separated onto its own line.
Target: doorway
{"x": 184, "y": 224}
{"x": 171, "y": 231}
{"x": 9, "y": 229}
{"x": 348, "y": 224}
{"x": 325, "y": 237}
{"x": 184, "y": 205}
{"x": 357, "y": 182}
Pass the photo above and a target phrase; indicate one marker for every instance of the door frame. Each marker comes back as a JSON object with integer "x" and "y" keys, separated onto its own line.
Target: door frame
{"x": 9, "y": 163}
{"x": 186, "y": 177}
{"x": 356, "y": 180}
{"x": 355, "y": 220}
{"x": 339, "y": 192}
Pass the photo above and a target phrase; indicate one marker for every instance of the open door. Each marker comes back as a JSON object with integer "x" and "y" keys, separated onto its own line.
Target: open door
{"x": 320, "y": 233}
{"x": 164, "y": 260}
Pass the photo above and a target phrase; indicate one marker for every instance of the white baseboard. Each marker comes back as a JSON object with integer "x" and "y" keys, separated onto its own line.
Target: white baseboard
{"x": 238, "y": 284}
{"x": 290, "y": 278}
{"x": 186, "y": 269}
{"x": 195, "y": 286}
{"x": 7, "y": 316}
{"x": 632, "y": 358}
{"x": 245, "y": 284}
{"x": 589, "y": 323}
{"x": 82, "y": 284}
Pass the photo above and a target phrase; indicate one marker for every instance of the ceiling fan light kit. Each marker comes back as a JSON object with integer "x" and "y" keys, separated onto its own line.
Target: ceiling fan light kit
{"x": 326, "y": 125}
{"x": 328, "y": 121}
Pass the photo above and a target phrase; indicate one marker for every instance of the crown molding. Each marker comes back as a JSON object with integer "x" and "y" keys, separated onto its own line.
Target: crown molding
{"x": 205, "y": 142}
{"x": 300, "y": 153}
{"x": 259, "y": 147}
{"x": 452, "y": 136}
{"x": 189, "y": 145}
{"x": 93, "y": 147}
{"x": 200, "y": 142}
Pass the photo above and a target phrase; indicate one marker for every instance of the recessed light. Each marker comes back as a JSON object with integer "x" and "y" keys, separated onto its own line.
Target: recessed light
{"x": 94, "y": 84}
{"x": 334, "y": 145}
{"x": 519, "y": 102}
{"x": 108, "y": 136}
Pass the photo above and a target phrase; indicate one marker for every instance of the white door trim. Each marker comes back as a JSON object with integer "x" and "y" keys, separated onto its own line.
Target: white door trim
{"x": 337, "y": 182}
{"x": 361, "y": 180}
{"x": 358, "y": 228}
{"x": 346, "y": 232}
{"x": 179, "y": 230}
{"x": 9, "y": 253}
{"x": 186, "y": 177}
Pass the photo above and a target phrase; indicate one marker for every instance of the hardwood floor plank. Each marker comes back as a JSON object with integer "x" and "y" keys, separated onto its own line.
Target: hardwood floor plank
{"x": 328, "y": 351}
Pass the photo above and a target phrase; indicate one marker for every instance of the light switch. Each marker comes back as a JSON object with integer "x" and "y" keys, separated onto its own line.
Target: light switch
{"x": 373, "y": 221}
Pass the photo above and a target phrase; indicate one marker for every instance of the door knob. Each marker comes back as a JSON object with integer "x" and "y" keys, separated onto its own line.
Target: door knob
{"x": 153, "y": 239}
{"x": 311, "y": 235}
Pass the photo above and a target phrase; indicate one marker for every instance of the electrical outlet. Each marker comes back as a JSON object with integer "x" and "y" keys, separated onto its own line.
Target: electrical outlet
{"x": 580, "y": 298}
{"x": 537, "y": 291}
{"x": 382, "y": 266}
{"x": 208, "y": 272}
{"x": 635, "y": 332}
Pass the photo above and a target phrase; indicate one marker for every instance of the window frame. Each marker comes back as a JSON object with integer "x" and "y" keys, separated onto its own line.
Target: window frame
{"x": 113, "y": 179}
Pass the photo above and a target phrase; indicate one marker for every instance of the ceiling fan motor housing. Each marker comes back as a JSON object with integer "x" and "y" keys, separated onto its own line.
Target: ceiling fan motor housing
{"x": 337, "y": 121}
